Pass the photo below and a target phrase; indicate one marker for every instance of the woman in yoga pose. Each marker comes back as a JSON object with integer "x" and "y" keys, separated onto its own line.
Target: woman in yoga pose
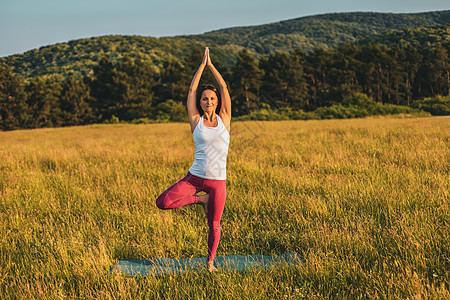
{"x": 209, "y": 113}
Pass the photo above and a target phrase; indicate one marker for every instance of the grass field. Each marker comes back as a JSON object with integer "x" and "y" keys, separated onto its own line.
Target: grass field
{"x": 365, "y": 203}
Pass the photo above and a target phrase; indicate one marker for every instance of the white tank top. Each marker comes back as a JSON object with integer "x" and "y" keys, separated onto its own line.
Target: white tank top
{"x": 211, "y": 150}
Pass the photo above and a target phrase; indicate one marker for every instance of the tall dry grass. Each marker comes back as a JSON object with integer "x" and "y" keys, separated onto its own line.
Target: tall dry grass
{"x": 364, "y": 202}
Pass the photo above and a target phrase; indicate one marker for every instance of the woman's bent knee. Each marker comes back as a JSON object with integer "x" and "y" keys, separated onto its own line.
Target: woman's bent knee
{"x": 160, "y": 203}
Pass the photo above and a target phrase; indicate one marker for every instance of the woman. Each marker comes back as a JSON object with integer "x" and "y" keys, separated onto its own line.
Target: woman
{"x": 209, "y": 115}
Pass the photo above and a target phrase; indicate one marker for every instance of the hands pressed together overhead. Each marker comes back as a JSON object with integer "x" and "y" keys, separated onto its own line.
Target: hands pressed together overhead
{"x": 225, "y": 110}
{"x": 206, "y": 59}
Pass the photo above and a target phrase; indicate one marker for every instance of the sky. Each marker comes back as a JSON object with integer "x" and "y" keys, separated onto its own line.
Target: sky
{"x": 29, "y": 24}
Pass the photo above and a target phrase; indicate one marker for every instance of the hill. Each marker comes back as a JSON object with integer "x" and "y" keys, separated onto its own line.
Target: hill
{"x": 435, "y": 35}
{"x": 77, "y": 57}
{"x": 328, "y": 30}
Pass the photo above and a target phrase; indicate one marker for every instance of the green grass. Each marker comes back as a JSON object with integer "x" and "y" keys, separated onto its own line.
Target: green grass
{"x": 365, "y": 202}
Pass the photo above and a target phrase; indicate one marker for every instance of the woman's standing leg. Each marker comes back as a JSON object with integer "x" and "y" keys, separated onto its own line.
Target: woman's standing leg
{"x": 216, "y": 204}
{"x": 183, "y": 193}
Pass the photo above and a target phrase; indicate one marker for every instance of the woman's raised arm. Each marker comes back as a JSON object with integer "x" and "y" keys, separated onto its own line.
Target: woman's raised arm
{"x": 225, "y": 110}
{"x": 193, "y": 113}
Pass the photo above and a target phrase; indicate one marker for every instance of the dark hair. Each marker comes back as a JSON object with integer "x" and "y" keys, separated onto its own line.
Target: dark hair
{"x": 200, "y": 91}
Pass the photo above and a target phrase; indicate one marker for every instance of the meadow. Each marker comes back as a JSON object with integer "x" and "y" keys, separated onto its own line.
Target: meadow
{"x": 364, "y": 202}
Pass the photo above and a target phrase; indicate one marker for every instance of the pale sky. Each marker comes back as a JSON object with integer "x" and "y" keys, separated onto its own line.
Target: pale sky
{"x": 29, "y": 24}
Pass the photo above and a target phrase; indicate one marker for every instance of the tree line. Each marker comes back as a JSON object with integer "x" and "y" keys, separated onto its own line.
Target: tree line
{"x": 135, "y": 89}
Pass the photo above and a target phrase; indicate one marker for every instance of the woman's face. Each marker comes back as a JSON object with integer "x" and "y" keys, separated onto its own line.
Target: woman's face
{"x": 209, "y": 101}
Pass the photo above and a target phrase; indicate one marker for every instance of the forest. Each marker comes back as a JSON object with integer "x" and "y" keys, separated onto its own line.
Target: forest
{"x": 404, "y": 71}
{"x": 78, "y": 57}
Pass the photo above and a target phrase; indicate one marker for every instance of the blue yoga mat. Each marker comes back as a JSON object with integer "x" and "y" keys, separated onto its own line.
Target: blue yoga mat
{"x": 161, "y": 266}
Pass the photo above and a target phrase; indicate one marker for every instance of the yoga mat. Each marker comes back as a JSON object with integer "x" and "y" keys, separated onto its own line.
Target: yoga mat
{"x": 161, "y": 266}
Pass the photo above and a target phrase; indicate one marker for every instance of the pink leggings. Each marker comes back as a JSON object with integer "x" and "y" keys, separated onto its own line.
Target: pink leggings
{"x": 183, "y": 193}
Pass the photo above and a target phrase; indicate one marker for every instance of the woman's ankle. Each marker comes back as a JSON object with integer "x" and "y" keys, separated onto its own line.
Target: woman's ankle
{"x": 210, "y": 266}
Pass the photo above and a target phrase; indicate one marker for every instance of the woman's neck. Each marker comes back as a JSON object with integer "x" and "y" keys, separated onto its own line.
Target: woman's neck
{"x": 209, "y": 116}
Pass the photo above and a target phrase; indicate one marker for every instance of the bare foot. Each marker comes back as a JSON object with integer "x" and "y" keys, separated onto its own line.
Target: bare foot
{"x": 211, "y": 267}
{"x": 203, "y": 201}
